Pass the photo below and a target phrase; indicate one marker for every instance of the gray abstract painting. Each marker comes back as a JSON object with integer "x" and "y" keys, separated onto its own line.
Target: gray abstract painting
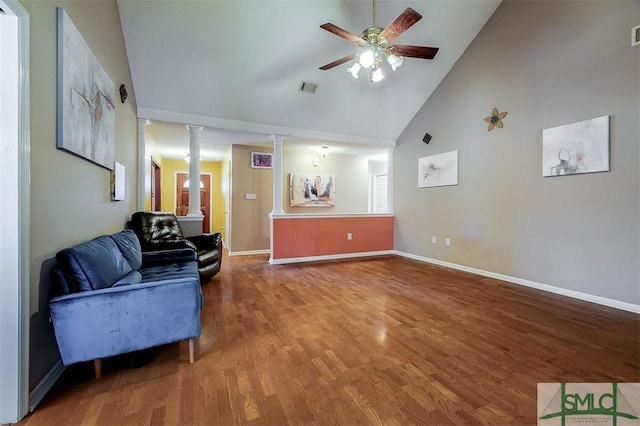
{"x": 581, "y": 147}
{"x": 86, "y": 99}
{"x": 438, "y": 170}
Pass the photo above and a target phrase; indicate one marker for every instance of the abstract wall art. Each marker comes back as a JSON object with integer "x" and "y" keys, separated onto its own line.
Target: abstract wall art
{"x": 86, "y": 99}
{"x": 312, "y": 190}
{"x": 261, "y": 160}
{"x": 438, "y": 170}
{"x": 581, "y": 147}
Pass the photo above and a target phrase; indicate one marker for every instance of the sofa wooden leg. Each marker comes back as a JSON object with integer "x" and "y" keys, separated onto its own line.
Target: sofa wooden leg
{"x": 97, "y": 367}
{"x": 192, "y": 356}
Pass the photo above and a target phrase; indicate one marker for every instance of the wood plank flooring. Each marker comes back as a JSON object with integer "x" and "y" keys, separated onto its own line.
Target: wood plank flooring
{"x": 372, "y": 341}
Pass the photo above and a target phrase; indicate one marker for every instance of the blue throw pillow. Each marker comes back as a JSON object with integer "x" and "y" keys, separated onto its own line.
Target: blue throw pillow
{"x": 128, "y": 243}
{"x": 95, "y": 264}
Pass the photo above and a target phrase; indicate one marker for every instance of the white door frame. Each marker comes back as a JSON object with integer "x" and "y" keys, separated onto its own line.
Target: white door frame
{"x": 15, "y": 215}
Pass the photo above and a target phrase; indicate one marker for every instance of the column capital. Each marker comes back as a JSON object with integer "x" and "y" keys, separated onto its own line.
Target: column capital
{"x": 194, "y": 130}
{"x": 277, "y": 139}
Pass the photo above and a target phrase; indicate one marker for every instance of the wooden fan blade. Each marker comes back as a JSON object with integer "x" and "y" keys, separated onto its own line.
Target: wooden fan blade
{"x": 338, "y": 62}
{"x": 400, "y": 25}
{"x": 334, "y": 29}
{"x": 408, "y": 51}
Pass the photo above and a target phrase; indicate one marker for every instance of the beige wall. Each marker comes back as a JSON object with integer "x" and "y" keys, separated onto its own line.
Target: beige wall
{"x": 169, "y": 169}
{"x": 546, "y": 64}
{"x": 250, "y": 218}
{"x": 70, "y": 200}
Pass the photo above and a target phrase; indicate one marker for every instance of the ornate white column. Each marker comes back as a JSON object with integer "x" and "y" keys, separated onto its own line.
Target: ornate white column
{"x": 390, "y": 180}
{"x": 142, "y": 165}
{"x": 194, "y": 171}
{"x": 277, "y": 175}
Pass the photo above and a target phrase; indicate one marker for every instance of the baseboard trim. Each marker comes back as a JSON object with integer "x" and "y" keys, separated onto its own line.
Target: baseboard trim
{"x": 249, "y": 252}
{"x": 47, "y": 382}
{"x": 329, "y": 257}
{"x": 612, "y": 303}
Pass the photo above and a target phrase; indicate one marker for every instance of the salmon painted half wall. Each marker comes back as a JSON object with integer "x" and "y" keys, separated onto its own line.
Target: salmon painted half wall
{"x": 318, "y": 237}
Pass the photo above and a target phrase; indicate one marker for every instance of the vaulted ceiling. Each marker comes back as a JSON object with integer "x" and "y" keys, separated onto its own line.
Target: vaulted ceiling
{"x": 236, "y": 67}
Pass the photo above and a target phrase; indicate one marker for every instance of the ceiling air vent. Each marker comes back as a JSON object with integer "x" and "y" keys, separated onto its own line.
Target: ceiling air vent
{"x": 307, "y": 87}
{"x": 635, "y": 35}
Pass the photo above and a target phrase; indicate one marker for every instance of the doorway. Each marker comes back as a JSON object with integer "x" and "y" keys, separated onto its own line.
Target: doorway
{"x": 156, "y": 186}
{"x": 182, "y": 197}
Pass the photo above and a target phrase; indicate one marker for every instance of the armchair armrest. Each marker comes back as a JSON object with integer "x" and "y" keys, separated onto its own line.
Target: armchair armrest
{"x": 107, "y": 322}
{"x": 207, "y": 241}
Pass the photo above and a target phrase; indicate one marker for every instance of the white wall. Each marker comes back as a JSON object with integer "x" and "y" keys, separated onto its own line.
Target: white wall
{"x": 546, "y": 64}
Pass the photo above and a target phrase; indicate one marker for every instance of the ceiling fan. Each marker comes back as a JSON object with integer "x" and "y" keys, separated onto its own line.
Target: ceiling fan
{"x": 375, "y": 45}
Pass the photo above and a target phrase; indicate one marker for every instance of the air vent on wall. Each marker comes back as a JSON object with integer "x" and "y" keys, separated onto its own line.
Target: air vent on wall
{"x": 307, "y": 87}
{"x": 635, "y": 35}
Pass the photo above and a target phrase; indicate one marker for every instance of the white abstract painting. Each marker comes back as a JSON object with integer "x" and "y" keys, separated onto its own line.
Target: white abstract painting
{"x": 438, "y": 170}
{"x": 86, "y": 98}
{"x": 581, "y": 147}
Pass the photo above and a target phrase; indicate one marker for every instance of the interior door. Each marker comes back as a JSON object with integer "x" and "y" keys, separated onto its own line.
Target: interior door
{"x": 380, "y": 194}
{"x": 182, "y": 197}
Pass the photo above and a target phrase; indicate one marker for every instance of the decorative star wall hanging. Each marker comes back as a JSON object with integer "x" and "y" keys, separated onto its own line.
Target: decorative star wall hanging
{"x": 495, "y": 119}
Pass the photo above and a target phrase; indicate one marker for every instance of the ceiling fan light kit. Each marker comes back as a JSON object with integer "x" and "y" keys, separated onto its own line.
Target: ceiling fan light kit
{"x": 374, "y": 43}
{"x": 354, "y": 69}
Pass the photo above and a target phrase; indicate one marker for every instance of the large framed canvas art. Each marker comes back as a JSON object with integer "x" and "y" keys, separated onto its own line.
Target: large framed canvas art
{"x": 86, "y": 99}
{"x": 312, "y": 190}
{"x": 575, "y": 148}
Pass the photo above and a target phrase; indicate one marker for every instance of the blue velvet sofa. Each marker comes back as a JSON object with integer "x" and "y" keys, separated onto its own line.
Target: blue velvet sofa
{"x": 111, "y": 299}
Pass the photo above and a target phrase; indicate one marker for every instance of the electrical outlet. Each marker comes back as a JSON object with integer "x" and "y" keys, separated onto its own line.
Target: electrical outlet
{"x": 434, "y": 240}
{"x": 349, "y": 236}
{"x": 447, "y": 242}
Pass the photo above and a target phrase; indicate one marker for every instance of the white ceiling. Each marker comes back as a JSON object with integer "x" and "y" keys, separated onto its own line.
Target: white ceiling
{"x": 236, "y": 66}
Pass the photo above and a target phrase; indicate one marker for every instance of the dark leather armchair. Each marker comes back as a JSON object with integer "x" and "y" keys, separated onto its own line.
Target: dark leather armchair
{"x": 161, "y": 231}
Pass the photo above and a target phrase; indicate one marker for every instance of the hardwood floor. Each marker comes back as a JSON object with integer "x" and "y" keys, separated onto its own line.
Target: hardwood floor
{"x": 383, "y": 340}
